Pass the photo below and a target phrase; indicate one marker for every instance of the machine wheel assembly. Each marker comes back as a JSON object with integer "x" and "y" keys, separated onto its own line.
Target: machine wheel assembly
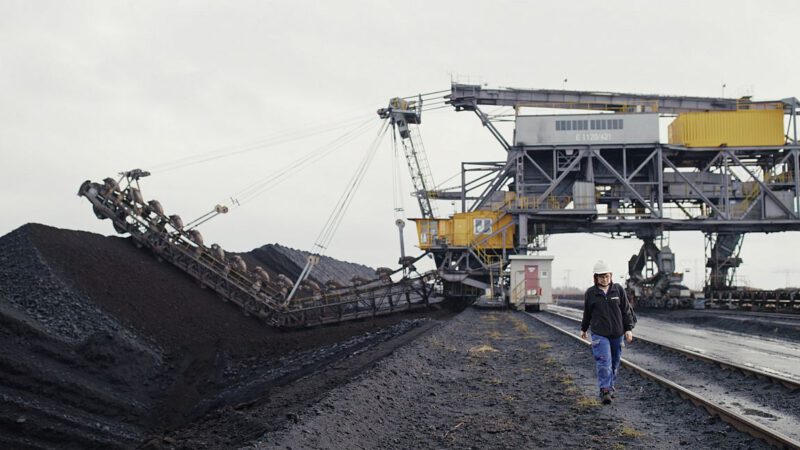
{"x": 98, "y": 213}
{"x": 119, "y": 228}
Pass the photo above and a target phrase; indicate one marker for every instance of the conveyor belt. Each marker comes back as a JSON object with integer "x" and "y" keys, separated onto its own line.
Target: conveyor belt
{"x": 149, "y": 227}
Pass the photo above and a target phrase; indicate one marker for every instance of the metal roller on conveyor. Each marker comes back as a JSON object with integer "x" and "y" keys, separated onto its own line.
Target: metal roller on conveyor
{"x": 254, "y": 291}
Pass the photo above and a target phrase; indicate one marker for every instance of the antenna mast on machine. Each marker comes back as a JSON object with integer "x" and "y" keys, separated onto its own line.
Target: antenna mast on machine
{"x": 402, "y": 114}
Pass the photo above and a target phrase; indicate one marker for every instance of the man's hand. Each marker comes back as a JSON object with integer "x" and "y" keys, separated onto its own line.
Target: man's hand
{"x": 628, "y": 337}
{"x": 584, "y": 336}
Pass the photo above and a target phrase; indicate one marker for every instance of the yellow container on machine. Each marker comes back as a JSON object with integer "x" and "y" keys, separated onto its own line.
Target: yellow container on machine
{"x": 743, "y": 128}
{"x": 479, "y": 229}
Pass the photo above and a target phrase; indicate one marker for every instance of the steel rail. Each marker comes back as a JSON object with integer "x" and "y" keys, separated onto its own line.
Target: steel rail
{"x": 745, "y": 314}
{"x": 740, "y": 422}
{"x": 789, "y": 383}
{"x": 714, "y": 309}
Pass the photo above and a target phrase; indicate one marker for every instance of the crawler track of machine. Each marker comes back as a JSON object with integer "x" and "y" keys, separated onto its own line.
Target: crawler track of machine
{"x": 253, "y": 291}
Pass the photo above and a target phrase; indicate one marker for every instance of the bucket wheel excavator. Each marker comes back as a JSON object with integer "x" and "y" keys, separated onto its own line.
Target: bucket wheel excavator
{"x": 251, "y": 289}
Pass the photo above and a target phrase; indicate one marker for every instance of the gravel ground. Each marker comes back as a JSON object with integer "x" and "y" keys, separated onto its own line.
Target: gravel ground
{"x": 761, "y": 400}
{"x": 496, "y": 379}
{"x": 104, "y": 346}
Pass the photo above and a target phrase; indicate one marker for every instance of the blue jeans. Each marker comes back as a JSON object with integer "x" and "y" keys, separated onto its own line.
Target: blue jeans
{"x": 607, "y": 354}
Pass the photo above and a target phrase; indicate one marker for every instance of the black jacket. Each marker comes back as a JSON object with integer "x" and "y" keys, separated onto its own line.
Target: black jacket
{"x": 609, "y": 315}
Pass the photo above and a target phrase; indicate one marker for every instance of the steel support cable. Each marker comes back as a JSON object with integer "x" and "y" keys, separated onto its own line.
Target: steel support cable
{"x": 311, "y": 130}
{"x": 327, "y": 235}
{"x": 249, "y": 149}
{"x": 332, "y": 224}
{"x": 263, "y": 185}
{"x": 471, "y": 184}
{"x": 233, "y": 150}
{"x": 259, "y": 187}
{"x": 450, "y": 178}
{"x": 335, "y": 218}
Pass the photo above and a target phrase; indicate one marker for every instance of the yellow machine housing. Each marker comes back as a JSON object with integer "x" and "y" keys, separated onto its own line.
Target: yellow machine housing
{"x": 469, "y": 229}
{"x": 743, "y": 128}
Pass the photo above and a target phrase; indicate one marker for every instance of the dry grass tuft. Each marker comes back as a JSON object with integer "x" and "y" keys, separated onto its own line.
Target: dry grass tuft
{"x": 572, "y": 390}
{"x": 438, "y": 343}
{"x": 520, "y": 326}
{"x": 494, "y": 334}
{"x": 482, "y": 350}
{"x": 585, "y": 403}
{"x": 629, "y": 432}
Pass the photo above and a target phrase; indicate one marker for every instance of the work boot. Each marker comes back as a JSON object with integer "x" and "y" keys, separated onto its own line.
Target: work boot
{"x": 605, "y": 396}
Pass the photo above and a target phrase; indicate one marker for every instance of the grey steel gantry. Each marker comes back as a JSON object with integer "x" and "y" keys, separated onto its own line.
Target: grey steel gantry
{"x": 642, "y": 188}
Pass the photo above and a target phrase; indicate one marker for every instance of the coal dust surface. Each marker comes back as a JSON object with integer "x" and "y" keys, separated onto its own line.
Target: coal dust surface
{"x": 105, "y": 346}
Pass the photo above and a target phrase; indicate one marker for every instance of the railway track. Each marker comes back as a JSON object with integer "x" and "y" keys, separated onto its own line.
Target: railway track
{"x": 733, "y": 307}
{"x": 754, "y": 372}
{"x": 749, "y": 314}
{"x": 759, "y": 429}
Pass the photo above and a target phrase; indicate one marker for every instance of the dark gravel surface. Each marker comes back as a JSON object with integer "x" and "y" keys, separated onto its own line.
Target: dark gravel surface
{"x": 104, "y": 346}
{"x": 761, "y": 400}
{"x": 56, "y": 306}
{"x": 492, "y": 379}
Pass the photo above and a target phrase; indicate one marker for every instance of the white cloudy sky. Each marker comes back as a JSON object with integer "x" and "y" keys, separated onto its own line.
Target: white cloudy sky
{"x": 88, "y": 89}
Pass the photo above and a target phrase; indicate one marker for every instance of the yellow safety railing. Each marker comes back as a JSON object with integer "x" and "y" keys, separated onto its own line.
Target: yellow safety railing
{"x": 783, "y": 177}
{"x": 550, "y": 202}
{"x": 745, "y": 103}
{"x": 482, "y": 251}
{"x": 741, "y": 208}
{"x": 519, "y": 292}
{"x": 633, "y": 107}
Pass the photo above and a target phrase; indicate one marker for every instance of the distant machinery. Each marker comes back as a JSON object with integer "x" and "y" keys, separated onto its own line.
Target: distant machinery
{"x": 729, "y": 168}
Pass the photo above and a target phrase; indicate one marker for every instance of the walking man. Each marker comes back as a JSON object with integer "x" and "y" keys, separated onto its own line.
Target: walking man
{"x": 609, "y": 315}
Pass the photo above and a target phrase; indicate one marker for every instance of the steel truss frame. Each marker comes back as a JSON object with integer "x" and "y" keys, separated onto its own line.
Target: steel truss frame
{"x": 642, "y": 189}
{"x": 169, "y": 242}
{"x": 652, "y": 182}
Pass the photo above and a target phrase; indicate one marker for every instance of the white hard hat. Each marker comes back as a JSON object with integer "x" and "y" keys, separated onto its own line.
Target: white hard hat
{"x": 601, "y": 267}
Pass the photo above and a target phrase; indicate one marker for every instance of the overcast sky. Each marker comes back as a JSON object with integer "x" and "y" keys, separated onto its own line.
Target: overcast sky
{"x": 88, "y": 89}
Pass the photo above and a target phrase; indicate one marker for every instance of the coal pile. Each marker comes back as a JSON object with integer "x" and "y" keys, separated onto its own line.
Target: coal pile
{"x": 104, "y": 346}
{"x": 291, "y": 262}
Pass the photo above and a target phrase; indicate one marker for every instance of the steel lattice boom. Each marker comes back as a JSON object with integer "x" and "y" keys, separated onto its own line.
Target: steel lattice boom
{"x": 253, "y": 291}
